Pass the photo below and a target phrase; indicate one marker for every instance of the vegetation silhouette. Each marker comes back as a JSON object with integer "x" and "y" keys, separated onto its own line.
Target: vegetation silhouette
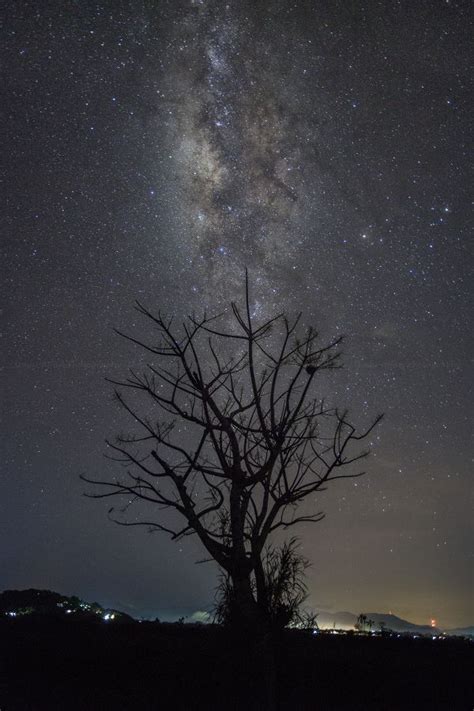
{"x": 284, "y": 569}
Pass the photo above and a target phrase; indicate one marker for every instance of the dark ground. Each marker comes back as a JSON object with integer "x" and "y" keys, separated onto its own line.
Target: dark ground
{"x": 69, "y": 665}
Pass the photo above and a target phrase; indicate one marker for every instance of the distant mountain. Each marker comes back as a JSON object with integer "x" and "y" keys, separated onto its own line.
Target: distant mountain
{"x": 17, "y": 603}
{"x": 461, "y": 632}
{"x": 397, "y": 624}
{"x": 348, "y": 621}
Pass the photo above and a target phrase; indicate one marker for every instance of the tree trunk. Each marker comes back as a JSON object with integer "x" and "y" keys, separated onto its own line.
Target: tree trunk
{"x": 245, "y": 610}
{"x": 255, "y": 677}
{"x": 261, "y": 585}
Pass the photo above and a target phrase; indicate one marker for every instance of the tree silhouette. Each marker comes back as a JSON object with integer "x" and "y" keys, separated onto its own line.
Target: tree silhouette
{"x": 286, "y": 591}
{"x": 232, "y": 442}
{"x": 361, "y": 623}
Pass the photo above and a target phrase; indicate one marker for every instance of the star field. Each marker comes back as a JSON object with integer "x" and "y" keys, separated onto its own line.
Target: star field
{"x": 156, "y": 149}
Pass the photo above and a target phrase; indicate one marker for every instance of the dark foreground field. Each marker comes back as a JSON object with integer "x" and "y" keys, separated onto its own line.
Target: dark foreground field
{"x": 67, "y": 665}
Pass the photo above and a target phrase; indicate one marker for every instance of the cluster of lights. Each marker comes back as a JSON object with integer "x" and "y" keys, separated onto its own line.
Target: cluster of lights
{"x": 107, "y": 616}
{"x": 18, "y": 613}
{"x": 373, "y": 633}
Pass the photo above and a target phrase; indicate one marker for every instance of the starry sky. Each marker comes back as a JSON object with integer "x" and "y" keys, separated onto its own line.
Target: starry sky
{"x": 154, "y": 149}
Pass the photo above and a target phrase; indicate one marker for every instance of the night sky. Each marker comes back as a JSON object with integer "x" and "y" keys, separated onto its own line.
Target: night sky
{"x": 156, "y": 148}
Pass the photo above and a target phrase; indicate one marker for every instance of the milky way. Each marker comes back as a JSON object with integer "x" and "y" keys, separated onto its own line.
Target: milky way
{"x": 156, "y": 149}
{"x": 238, "y": 147}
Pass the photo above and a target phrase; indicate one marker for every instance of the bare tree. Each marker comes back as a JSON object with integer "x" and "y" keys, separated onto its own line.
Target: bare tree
{"x": 231, "y": 438}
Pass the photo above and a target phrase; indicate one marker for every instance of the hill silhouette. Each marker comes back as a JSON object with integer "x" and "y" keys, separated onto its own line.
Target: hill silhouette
{"x": 348, "y": 620}
{"x": 18, "y": 603}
